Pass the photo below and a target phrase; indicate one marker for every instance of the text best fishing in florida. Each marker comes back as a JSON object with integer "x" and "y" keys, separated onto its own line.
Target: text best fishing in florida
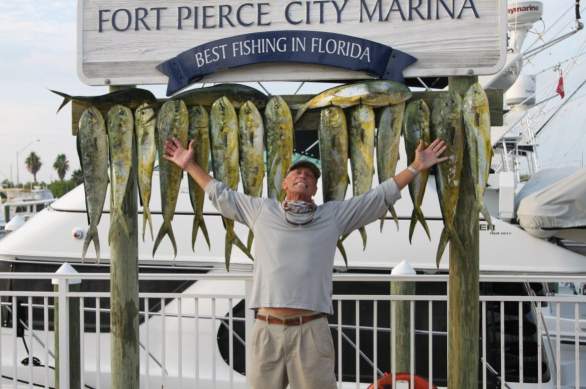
{"x": 294, "y": 13}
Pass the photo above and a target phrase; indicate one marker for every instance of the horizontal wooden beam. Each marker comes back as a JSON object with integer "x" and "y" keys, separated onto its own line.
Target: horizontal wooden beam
{"x": 310, "y": 121}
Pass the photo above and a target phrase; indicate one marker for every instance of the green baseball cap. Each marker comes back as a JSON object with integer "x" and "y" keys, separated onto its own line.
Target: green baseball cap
{"x": 307, "y": 164}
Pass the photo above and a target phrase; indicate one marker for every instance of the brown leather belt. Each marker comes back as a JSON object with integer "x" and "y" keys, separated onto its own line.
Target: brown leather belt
{"x": 292, "y": 321}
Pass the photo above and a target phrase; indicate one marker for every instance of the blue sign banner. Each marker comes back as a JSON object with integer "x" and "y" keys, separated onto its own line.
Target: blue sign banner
{"x": 309, "y": 47}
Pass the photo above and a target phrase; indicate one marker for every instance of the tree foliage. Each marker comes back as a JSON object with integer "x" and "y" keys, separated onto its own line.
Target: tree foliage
{"x": 77, "y": 177}
{"x": 59, "y": 188}
{"x": 61, "y": 165}
{"x": 33, "y": 164}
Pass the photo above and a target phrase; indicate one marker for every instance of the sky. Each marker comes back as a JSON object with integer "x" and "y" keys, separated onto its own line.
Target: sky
{"x": 38, "y": 52}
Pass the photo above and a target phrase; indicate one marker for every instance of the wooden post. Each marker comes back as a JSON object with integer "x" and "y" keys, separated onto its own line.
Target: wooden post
{"x": 401, "y": 333}
{"x": 124, "y": 289}
{"x": 74, "y": 379}
{"x": 464, "y": 289}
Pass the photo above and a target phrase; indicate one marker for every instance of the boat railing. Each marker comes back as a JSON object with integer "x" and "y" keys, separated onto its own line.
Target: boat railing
{"x": 194, "y": 339}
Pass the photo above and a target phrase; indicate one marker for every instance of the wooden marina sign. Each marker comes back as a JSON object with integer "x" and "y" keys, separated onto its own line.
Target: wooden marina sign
{"x": 126, "y": 42}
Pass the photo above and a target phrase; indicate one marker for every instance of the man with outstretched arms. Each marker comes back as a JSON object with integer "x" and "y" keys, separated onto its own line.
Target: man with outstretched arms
{"x": 295, "y": 243}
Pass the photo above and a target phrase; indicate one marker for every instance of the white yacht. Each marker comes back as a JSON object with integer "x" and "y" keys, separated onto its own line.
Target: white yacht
{"x": 20, "y": 206}
{"x": 528, "y": 340}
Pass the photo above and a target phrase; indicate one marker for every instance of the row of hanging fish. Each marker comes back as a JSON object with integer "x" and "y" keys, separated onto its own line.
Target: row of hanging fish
{"x": 464, "y": 125}
{"x": 450, "y": 119}
{"x": 236, "y": 141}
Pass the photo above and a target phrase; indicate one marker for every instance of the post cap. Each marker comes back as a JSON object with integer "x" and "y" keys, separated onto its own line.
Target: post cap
{"x": 403, "y": 269}
{"x": 66, "y": 268}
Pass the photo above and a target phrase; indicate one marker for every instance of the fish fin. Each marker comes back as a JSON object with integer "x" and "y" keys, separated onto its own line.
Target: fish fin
{"x": 412, "y": 225}
{"x": 342, "y": 250}
{"x": 92, "y": 235}
{"x": 250, "y": 240}
{"x": 444, "y": 238}
{"x": 395, "y": 217}
{"x": 194, "y": 230}
{"x": 232, "y": 239}
{"x": 236, "y": 241}
{"x": 300, "y": 112}
{"x": 147, "y": 218}
{"x": 198, "y": 222}
{"x": 166, "y": 229}
{"x": 362, "y": 231}
{"x": 486, "y": 214}
{"x": 66, "y": 99}
{"x": 228, "y": 250}
{"x": 78, "y": 146}
{"x": 455, "y": 239}
{"x": 421, "y": 219}
{"x": 204, "y": 230}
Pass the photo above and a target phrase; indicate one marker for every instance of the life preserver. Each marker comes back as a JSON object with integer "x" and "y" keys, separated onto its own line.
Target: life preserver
{"x": 386, "y": 381}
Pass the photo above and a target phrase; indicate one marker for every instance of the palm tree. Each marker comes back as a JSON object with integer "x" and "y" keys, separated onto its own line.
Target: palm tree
{"x": 61, "y": 165}
{"x": 33, "y": 164}
{"x": 77, "y": 177}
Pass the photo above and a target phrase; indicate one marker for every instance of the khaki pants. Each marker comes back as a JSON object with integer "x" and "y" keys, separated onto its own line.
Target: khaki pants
{"x": 301, "y": 355}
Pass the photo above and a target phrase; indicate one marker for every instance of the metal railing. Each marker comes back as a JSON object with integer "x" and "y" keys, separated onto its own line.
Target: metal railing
{"x": 197, "y": 338}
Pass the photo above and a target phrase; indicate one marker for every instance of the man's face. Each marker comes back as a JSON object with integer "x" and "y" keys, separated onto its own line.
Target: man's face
{"x": 300, "y": 181}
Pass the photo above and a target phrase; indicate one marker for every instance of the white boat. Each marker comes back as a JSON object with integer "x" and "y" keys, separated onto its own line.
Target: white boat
{"x": 195, "y": 303}
{"x": 20, "y": 206}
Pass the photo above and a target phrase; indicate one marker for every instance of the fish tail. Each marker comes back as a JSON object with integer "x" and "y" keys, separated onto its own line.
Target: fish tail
{"x": 166, "y": 229}
{"x": 412, "y": 225}
{"x": 362, "y": 231}
{"x": 204, "y": 230}
{"x": 300, "y": 113}
{"x": 66, "y": 99}
{"x": 421, "y": 219}
{"x": 486, "y": 214}
{"x": 198, "y": 222}
{"x": 232, "y": 239}
{"x": 236, "y": 241}
{"x": 147, "y": 218}
{"x": 92, "y": 235}
{"x": 250, "y": 240}
{"x": 455, "y": 239}
{"x": 395, "y": 217}
{"x": 444, "y": 238}
{"x": 342, "y": 250}
{"x": 228, "y": 250}
{"x": 144, "y": 223}
{"x": 194, "y": 230}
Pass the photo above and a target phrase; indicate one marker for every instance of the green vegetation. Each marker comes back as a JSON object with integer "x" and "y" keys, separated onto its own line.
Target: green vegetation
{"x": 61, "y": 165}
{"x": 33, "y": 164}
{"x": 59, "y": 188}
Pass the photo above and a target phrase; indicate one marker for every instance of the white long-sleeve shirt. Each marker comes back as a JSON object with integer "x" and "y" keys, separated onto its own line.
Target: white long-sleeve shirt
{"x": 293, "y": 265}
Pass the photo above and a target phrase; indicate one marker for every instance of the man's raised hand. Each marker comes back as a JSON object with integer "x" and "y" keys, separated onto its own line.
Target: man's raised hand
{"x": 426, "y": 157}
{"x": 175, "y": 153}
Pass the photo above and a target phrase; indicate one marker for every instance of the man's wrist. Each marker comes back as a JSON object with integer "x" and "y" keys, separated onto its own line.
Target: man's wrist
{"x": 415, "y": 167}
{"x": 190, "y": 165}
{"x": 412, "y": 170}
